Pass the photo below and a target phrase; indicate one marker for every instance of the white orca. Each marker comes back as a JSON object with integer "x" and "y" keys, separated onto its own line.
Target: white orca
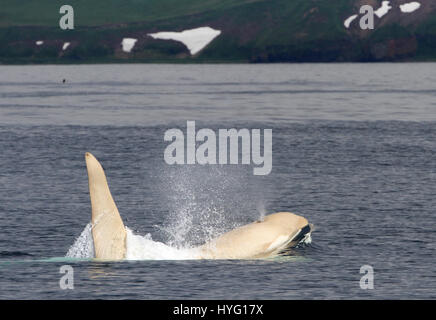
{"x": 273, "y": 235}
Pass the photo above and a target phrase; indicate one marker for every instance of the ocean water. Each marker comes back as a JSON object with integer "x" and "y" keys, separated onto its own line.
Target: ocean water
{"x": 354, "y": 151}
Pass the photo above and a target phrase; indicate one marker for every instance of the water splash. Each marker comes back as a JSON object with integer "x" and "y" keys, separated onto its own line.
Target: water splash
{"x": 144, "y": 248}
{"x": 261, "y": 209}
{"x": 83, "y": 247}
{"x": 202, "y": 204}
{"x": 205, "y": 202}
{"x": 137, "y": 248}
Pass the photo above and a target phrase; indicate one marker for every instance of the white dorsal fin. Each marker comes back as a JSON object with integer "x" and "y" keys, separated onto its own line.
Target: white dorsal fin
{"x": 108, "y": 230}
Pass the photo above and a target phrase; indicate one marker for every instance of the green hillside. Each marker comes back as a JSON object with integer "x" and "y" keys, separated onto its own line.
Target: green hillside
{"x": 103, "y": 12}
{"x": 252, "y": 31}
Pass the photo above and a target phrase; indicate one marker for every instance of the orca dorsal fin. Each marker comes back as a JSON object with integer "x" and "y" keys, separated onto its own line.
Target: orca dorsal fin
{"x": 108, "y": 231}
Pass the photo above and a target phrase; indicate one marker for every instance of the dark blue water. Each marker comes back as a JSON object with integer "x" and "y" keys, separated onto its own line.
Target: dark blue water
{"x": 354, "y": 151}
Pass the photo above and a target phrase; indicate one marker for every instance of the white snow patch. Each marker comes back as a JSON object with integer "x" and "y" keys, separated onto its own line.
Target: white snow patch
{"x": 194, "y": 39}
{"x": 128, "y": 44}
{"x": 65, "y": 46}
{"x": 385, "y": 7}
{"x": 39, "y": 42}
{"x": 348, "y": 21}
{"x": 410, "y": 7}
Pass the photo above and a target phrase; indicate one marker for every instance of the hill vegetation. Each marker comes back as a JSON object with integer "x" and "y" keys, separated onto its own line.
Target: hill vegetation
{"x": 252, "y": 31}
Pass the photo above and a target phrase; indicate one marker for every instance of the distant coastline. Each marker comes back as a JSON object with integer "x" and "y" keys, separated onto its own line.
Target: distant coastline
{"x": 243, "y": 31}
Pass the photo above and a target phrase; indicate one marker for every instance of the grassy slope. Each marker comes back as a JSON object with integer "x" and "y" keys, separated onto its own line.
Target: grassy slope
{"x": 102, "y": 12}
{"x": 250, "y": 27}
{"x": 427, "y": 37}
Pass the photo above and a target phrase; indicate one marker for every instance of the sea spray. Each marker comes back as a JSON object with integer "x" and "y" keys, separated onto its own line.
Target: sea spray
{"x": 144, "y": 248}
{"x": 137, "y": 248}
{"x": 261, "y": 210}
{"x": 83, "y": 247}
{"x": 197, "y": 204}
{"x": 205, "y": 202}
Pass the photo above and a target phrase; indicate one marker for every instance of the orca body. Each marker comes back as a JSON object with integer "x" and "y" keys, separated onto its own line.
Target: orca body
{"x": 273, "y": 235}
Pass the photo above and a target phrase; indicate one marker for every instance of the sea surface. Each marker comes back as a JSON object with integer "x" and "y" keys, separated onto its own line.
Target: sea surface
{"x": 354, "y": 151}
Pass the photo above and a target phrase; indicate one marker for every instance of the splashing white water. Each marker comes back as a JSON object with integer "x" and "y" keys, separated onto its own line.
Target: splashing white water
{"x": 144, "y": 248}
{"x": 262, "y": 210}
{"x": 202, "y": 204}
{"x": 137, "y": 248}
{"x": 83, "y": 247}
{"x": 140, "y": 247}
